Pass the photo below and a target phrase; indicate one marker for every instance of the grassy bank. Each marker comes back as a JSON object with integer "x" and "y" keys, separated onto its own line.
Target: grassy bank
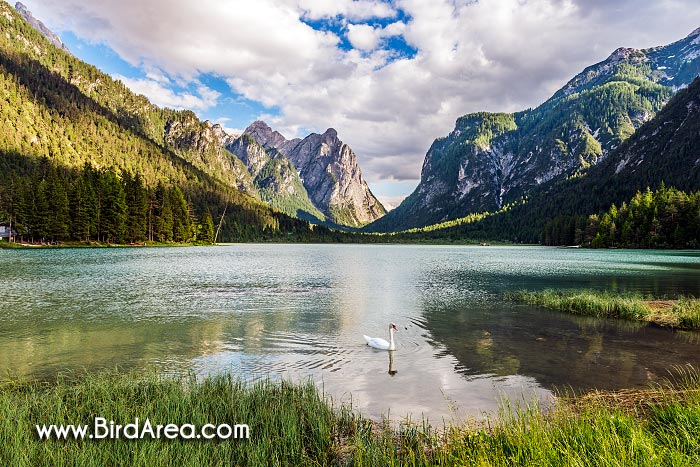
{"x": 13, "y": 245}
{"x": 5, "y": 245}
{"x": 682, "y": 313}
{"x": 292, "y": 425}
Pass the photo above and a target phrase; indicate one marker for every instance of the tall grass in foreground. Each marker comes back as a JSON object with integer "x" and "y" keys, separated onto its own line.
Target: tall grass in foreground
{"x": 292, "y": 426}
{"x": 683, "y": 313}
{"x": 289, "y": 424}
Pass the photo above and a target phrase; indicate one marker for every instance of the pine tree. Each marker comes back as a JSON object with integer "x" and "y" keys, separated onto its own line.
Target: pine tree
{"x": 137, "y": 202}
{"x": 206, "y": 230}
{"x": 59, "y": 213}
{"x": 182, "y": 222}
{"x": 163, "y": 218}
{"x": 40, "y": 212}
{"x": 113, "y": 208}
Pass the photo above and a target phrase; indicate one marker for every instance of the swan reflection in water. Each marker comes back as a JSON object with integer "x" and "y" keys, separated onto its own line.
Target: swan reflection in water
{"x": 392, "y": 371}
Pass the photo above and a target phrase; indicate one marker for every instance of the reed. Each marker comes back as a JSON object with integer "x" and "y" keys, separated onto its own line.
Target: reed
{"x": 682, "y": 313}
{"x": 688, "y": 312}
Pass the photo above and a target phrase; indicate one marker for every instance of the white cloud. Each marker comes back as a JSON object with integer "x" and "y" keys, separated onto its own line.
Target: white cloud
{"x": 163, "y": 96}
{"x": 353, "y": 10}
{"x": 187, "y": 38}
{"x": 363, "y": 36}
{"x": 496, "y": 55}
{"x": 367, "y": 37}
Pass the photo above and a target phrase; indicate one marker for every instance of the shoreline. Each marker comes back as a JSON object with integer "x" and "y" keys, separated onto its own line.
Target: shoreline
{"x": 24, "y": 246}
{"x": 360, "y": 239}
{"x": 41, "y": 246}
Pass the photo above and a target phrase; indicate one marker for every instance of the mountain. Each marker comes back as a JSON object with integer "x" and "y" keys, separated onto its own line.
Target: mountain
{"x": 327, "y": 168}
{"x": 63, "y": 119}
{"x": 493, "y": 159}
{"x": 208, "y": 148}
{"x": 39, "y": 26}
{"x": 275, "y": 177}
{"x": 665, "y": 150}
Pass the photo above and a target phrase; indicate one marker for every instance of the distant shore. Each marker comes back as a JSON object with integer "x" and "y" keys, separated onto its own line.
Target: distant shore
{"x": 18, "y": 246}
{"x": 345, "y": 241}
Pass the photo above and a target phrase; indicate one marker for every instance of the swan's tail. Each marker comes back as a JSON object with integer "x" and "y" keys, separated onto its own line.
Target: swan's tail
{"x": 367, "y": 338}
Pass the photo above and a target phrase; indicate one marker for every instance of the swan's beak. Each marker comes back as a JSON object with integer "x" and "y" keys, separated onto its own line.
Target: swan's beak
{"x": 394, "y": 328}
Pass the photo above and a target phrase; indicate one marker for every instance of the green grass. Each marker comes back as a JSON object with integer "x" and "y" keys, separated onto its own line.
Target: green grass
{"x": 683, "y": 313}
{"x": 586, "y": 302}
{"x": 292, "y": 425}
{"x": 688, "y": 311}
{"x": 5, "y": 245}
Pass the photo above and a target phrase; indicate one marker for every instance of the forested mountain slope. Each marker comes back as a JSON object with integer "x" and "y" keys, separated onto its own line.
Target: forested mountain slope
{"x": 491, "y": 159}
{"x": 665, "y": 150}
{"x": 59, "y": 114}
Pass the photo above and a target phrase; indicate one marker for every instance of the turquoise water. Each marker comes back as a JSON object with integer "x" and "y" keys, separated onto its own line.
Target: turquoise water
{"x": 299, "y": 311}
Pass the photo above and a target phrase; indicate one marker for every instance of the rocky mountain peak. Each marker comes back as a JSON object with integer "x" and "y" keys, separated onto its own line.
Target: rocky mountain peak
{"x": 330, "y": 133}
{"x": 623, "y": 53}
{"x": 263, "y": 134}
{"x": 39, "y": 26}
{"x": 695, "y": 33}
{"x": 329, "y": 171}
{"x": 258, "y": 126}
{"x": 219, "y": 132}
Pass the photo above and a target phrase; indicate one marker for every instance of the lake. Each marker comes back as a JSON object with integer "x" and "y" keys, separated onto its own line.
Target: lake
{"x": 299, "y": 311}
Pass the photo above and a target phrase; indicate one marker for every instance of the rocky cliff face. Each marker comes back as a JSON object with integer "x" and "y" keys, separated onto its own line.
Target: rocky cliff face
{"x": 200, "y": 144}
{"x": 39, "y": 26}
{"x": 333, "y": 178}
{"x": 490, "y": 160}
{"x": 329, "y": 171}
{"x": 250, "y": 152}
{"x": 274, "y": 176}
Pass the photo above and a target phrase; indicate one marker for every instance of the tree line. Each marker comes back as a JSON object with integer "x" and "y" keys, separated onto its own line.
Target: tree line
{"x": 664, "y": 218}
{"x": 91, "y": 204}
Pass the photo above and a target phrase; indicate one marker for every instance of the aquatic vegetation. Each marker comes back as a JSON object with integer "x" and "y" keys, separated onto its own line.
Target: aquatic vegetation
{"x": 683, "y": 313}
{"x": 585, "y": 302}
{"x": 688, "y": 311}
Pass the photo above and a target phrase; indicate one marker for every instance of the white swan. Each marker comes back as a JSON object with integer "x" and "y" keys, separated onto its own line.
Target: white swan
{"x": 381, "y": 344}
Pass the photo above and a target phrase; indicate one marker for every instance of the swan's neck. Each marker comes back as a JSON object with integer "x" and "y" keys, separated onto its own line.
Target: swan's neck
{"x": 391, "y": 339}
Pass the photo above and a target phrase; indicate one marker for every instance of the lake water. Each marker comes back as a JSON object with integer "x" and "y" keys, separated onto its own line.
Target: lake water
{"x": 299, "y": 311}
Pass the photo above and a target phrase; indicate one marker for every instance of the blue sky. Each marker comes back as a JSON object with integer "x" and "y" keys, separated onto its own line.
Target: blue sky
{"x": 390, "y": 76}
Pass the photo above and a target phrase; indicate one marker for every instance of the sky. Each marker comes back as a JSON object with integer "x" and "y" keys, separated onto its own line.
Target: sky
{"x": 389, "y": 76}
